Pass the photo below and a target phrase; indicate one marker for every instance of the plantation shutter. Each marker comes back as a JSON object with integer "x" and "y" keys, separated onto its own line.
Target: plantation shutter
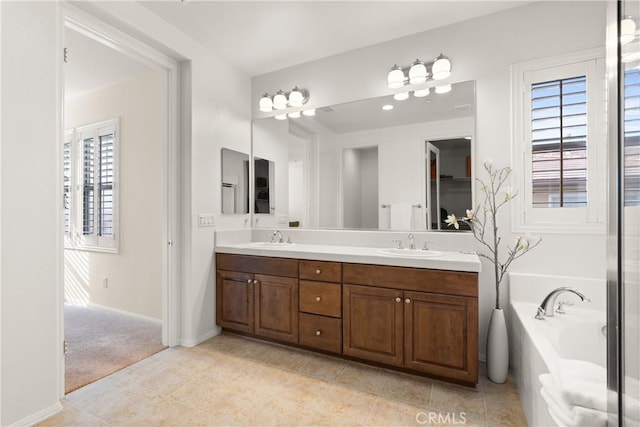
{"x": 632, "y": 137}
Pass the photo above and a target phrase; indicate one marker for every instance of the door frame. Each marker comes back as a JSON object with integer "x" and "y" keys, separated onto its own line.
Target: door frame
{"x": 74, "y": 18}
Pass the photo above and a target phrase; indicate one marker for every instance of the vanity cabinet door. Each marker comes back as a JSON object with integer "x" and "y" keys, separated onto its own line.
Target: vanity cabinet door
{"x": 441, "y": 335}
{"x": 373, "y": 324}
{"x": 276, "y": 307}
{"x": 234, "y": 301}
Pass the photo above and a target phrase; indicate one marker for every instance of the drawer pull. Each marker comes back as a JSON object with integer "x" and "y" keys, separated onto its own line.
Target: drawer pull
{"x": 408, "y": 301}
{"x": 318, "y": 271}
{"x": 318, "y": 299}
{"x": 255, "y": 282}
{"x": 249, "y": 281}
{"x": 398, "y": 299}
{"x": 318, "y": 332}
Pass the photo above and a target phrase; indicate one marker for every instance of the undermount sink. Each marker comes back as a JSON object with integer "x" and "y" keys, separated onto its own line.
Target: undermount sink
{"x": 413, "y": 253}
{"x": 270, "y": 245}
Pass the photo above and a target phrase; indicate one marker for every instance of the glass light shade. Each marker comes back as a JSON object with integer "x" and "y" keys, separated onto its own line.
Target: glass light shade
{"x": 310, "y": 112}
{"x": 280, "y": 101}
{"x": 402, "y": 96}
{"x": 417, "y": 73}
{"x": 443, "y": 89}
{"x": 387, "y": 107}
{"x": 421, "y": 93}
{"x": 294, "y": 115}
{"x": 441, "y": 68}
{"x": 281, "y": 117}
{"x": 296, "y": 98}
{"x": 266, "y": 104}
{"x": 395, "y": 78}
{"x": 627, "y": 30}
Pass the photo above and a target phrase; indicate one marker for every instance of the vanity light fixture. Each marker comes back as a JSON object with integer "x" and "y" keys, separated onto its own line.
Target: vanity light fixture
{"x": 443, "y": 89}
{"x": 294, "y": 115}
{"x": 421, "y": 93}
{"x": 627, "y": 30}
{"x": 418, "y": 72}
{"x": 281, "y": 117}
{"x": 310, "y": 112}
{"x": 283, "y": 100}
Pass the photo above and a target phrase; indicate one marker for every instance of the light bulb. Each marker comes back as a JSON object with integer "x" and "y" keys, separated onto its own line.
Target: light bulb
{"x": 627, "y": 30}
{"x": 395, "y": 78}
{"x": 296, "y": 97}
{"x": 441, "y": 68}
{"x": 266, "y": 104}
{"x": 281, "y": 117}
{"x": 402, "y": 96}
{"x": 387, "y": 107}
{"x": 443, "y": 89}
{"x": 294, "y": 114}
{"x": 417, "y": 73}
{"x": 421, "y": 93}
{"x": 280, "y": 101}
{"x": 310, "y": 112}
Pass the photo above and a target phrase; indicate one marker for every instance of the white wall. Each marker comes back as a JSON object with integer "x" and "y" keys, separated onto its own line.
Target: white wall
{"x": 134, "y": 274}
{"x": 31, "y": 252}
{"x": 483, "y": 50}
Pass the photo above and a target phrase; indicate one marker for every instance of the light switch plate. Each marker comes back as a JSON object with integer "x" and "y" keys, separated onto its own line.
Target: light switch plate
{"x": 206, "y": 220}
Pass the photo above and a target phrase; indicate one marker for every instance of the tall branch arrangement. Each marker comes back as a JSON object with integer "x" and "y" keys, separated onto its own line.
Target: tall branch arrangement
{"x": 483, "y": 223}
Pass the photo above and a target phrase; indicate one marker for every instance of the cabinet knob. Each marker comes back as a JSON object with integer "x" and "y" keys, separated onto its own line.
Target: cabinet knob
{"x": 398, "y": 299}
{"x": 408, "y": 301}
{"x": 255, "y": 282}
{"x": 318, "y": 332}
{"x": 249, "y": 281}
{"x": 318, "y": 271}
{"x": 318, "y": 299}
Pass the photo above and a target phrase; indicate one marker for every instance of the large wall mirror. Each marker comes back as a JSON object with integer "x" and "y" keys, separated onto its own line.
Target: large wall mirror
{"x": 235, "y": 182}
{"x": 361, "y": 166}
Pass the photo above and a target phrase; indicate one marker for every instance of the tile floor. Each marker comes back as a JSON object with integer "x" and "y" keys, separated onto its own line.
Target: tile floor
{"x": 230, "y": 380}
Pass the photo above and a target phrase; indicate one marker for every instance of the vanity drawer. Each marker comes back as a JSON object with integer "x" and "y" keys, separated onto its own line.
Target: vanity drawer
{"x": 321, "y": 298}
{"x": 320, "y": 332}
{"x": 324, "y": 271}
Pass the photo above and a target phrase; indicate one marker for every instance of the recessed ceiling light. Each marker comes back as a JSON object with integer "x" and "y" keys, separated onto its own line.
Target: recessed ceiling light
{"x": 387, "y": 107}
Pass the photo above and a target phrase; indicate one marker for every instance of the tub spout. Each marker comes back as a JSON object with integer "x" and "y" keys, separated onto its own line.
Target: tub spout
{"x": 548, "y": 304}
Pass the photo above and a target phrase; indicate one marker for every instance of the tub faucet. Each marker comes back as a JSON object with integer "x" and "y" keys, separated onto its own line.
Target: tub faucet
{"x": 548, "y": 304}
{"x": 412, "y": 242}
{"x": 277, "y": 237}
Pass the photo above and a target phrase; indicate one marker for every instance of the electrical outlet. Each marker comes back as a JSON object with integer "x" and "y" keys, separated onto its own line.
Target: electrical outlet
{"x": 105, "y": 282}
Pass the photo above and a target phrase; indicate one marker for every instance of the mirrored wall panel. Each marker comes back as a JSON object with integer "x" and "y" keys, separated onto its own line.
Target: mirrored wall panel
{"x": 235, "y": 182}
{"x": 378, "y": 163}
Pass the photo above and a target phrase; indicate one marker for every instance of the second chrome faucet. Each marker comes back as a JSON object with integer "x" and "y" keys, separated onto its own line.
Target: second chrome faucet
{"x": 547, "y": 308}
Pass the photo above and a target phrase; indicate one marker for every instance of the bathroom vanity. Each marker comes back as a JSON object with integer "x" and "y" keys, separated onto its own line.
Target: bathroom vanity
{"x": 356, "y": 302}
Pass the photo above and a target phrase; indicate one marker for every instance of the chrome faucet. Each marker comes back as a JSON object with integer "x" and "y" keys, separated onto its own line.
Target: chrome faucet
{"x": 277, "y": 237}
{"x": 412, "y": 242}
{"x": 548, "y": 304}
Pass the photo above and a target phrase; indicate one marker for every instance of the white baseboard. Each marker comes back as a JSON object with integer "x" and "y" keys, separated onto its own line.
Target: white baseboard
{"x": 39, "y": 416}
{"x": 194, "y": 342}
{"x": 125, "y": 313}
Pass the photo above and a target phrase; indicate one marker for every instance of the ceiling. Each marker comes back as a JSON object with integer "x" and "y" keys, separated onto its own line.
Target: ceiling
{"x": 263, "y": 36}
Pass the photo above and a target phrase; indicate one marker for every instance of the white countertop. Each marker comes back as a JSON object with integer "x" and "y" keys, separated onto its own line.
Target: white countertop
{"x": 446, "y": 260}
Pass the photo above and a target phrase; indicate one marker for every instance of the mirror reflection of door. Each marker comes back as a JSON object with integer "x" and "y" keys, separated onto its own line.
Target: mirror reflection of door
{"x": 235, "y": 182}
{"x": 449, "y": 185}
{"x": 360, "y": 187}
{"x": 264, "y": 171}
{"x": 433, "y": 187}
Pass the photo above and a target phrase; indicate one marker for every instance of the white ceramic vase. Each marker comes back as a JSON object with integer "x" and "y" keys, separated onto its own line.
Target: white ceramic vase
{"x": 497, "y": 347}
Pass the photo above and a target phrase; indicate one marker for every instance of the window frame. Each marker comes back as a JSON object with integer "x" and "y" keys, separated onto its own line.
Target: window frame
{"x": 592, "y": 218}
{"x": 76, "y": 238}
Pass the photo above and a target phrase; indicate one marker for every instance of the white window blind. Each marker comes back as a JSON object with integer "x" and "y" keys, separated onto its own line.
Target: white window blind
{"x": 632, "y": 137}
{"x": 559, "y": 143}
{"x": 93, "y": 221}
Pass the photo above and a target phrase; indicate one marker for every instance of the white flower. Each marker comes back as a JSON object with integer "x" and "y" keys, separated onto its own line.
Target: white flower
{"x": 488, "y": 163}
{"x": 470, "y": 215}
{"x": 508, "y": 193}
{"x": 452, "y": 220}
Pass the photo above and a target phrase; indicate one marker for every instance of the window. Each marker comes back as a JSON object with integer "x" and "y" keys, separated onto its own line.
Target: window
{"x": 90, "y": 168}
{"x": 632, "y": 137}
{"x": 559, "y": 144}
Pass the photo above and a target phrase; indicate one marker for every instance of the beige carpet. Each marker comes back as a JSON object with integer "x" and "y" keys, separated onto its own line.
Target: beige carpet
{"x": 101, "y": 342}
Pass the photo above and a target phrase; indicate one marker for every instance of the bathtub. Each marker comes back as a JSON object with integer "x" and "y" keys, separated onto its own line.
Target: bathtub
{"x": 536, "y": 345}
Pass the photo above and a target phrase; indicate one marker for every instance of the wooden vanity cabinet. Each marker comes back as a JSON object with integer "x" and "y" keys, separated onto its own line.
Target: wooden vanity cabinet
{"x": 258, "y": 295}
{"x": 423, "y": 320}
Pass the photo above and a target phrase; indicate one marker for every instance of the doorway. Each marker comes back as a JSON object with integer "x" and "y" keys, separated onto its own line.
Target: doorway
{"x": 120, "y": 185}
